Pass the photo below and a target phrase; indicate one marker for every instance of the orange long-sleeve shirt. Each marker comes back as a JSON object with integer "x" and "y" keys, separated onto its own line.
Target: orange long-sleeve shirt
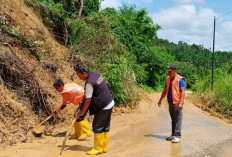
{"x": 72, "y": 93}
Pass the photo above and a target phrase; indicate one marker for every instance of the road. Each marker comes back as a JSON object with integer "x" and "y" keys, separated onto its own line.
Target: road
{"x": 142, "y": 132}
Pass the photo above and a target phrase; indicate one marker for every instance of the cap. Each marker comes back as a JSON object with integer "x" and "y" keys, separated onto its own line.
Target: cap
{"x": 171, "y": 67}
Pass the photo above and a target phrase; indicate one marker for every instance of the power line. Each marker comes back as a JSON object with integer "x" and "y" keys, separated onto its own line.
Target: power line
{"x": 221, "y": 21}
{"x": 226, "y": 47}
{"x": 230, "y": 11}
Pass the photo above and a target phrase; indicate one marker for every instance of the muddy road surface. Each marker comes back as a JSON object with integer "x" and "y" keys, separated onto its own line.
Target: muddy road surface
{"x": 142, "y": 133}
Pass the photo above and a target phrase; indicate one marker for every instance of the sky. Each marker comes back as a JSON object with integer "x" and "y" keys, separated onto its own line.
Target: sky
{"x": 190, "y": 21}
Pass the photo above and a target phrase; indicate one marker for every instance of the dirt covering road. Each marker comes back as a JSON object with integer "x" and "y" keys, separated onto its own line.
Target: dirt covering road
{"x": 142, "y": 132}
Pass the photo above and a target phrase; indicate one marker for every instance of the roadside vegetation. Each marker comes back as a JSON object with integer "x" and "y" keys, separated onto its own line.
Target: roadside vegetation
{"x": 120, "y": 44}
{"x": 123, "y": 45}
{"x": 220, "y": 98}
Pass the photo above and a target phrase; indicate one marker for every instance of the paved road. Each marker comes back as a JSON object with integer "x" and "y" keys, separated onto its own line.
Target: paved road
{"x": 142, "y": 134}
{"x": 202, "y": 135}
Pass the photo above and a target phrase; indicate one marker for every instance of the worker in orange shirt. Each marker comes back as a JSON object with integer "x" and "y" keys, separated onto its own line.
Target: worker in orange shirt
{"x": 73, "y": 93}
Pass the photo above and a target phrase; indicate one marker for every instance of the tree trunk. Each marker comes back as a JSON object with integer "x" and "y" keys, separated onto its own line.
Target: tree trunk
{"x": 81, "y": 7}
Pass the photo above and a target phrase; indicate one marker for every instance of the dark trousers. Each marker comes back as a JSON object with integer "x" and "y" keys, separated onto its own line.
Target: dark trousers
{"x": 101, "y": 121}
{"x": 176, "y": 117}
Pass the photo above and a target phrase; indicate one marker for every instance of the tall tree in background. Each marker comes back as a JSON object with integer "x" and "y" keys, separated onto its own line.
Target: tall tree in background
{"x": 136, "y": 30}
{"x": 80, "y": 7}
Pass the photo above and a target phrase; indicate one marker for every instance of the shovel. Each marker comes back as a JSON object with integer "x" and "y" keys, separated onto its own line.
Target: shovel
{"x": 38, "y": 129}
{"x": 67, "y": 133}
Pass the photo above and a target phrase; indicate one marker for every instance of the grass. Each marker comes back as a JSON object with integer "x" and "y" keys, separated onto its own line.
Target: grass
{"x": 147, "y": 88}
{"x": 220, "y": 99}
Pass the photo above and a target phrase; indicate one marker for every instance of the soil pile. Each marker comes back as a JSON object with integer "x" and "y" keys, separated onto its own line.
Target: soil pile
{"x": 30, "y": 61}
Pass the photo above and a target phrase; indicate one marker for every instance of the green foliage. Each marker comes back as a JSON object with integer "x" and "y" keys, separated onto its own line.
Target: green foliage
{"x": 146, "y": 88}
{"x": 91, "y": 6}
{"x": 55, "y": 7}
{"x": 194, "y": 61}
{"x": 114, "y": 80}
{"x": 220, "y": 98}
{"x": 203, "y": 85}
{"x": 189, "y": 71}
{"x": 32, "y": 3}
{"x": 228, "y": 67}
{"x": 158, "y": 60}
{"x": 135, "y": 29}
{"x": 117, "y": 77}
{"x": 101, "y": 51}
{"x": 121, "y": 81}
{"x": 111, "y": 38}
{"x": 73, "y": 6}
{"x": 222, "y": 95}
{"x": 76, "y": 27}
{"x": 222, "y": 59}
{"x": 141, "y": 73}
{"x": 30, "y": 45}
{"x": 61, "y": 17}
{"x": 124, "y": 47}
{"x": 69, "y": 7}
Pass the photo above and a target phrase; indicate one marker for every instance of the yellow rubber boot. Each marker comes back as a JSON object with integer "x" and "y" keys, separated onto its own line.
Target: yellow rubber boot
{"x": 85, "y": 130}
{"x": 98, "y": 144}
{"x": 105, "y": 141}
{"x": 77, "y": 131}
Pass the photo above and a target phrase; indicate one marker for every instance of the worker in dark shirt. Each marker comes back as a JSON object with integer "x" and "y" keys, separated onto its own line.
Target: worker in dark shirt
{"x": 99, "y": 101}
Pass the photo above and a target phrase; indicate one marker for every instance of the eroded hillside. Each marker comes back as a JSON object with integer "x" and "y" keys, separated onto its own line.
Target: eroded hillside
{"x": 30, "y": 61}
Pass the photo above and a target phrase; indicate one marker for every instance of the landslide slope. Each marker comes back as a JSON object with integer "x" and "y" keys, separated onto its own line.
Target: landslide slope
{"x": 30, "y": 61}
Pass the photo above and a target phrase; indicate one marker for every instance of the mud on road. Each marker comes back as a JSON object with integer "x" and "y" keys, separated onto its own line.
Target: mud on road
{"x": 142, "y": 132}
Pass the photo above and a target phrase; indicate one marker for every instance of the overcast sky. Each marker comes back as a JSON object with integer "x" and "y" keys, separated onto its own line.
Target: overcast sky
{"x": 190, "y": 21}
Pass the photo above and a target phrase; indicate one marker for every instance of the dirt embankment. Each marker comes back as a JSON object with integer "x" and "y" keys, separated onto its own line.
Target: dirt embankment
{"x": 198, "y": 100}
{"x": 26, "y": 90}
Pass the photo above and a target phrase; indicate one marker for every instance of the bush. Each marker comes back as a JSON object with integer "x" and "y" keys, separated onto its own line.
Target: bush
{"x": 121, "y": 83}
{"x": 222, "y": 94}
{"x": 220, "y": 99}
{"x": 100, "y": 50}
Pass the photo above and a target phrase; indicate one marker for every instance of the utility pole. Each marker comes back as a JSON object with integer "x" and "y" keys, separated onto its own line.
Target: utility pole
{"x": 207, "y": 59}
{"x": 214, "y": 25}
